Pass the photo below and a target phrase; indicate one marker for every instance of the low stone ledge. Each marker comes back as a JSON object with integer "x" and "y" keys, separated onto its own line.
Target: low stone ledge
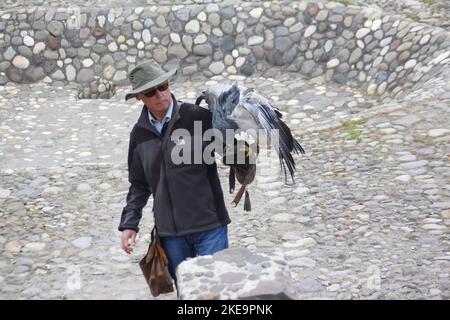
{"x": 236, "y": 273}
{"x": 99, "y": 88}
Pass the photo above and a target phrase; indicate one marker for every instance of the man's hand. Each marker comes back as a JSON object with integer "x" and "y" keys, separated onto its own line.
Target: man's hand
{"x": 125, "y": 242}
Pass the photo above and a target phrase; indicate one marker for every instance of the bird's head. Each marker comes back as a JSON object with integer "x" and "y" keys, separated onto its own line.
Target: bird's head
{"x": 229, "y": 99}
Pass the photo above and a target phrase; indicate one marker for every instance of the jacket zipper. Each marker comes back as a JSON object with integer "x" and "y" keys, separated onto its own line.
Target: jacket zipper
{"x": 169, "y": 193}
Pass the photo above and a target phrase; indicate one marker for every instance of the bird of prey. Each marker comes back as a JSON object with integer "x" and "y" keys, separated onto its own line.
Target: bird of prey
{"x": 242, "y": 109}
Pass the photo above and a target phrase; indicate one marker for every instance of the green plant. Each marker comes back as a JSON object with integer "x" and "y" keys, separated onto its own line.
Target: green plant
{"x": 413, "y": 17}
{"x": 344, "y": 2}
{"x": 428, "y": 2}
{"x": 353, "y": 129}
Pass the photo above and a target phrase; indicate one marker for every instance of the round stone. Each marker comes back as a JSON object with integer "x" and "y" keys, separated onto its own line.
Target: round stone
{"x": 13, "y": 246}
{"x": 410, "y": 64}
{"x": 283, "y": 44}
{"x": 217, "y": 67}
{"x": 328, "y": 45}
{"x": 178, "y": 51}
{"x": 201, "y": 38}
{"x": 146, "y": 36}
{"x": 361, "y": 33}
{"x": 101, "y": 88}
{"x": 58, "y": 75}
{"x": 53, "y": 43}
{"x": 192, "y": 26}
{"x": 35, "y": 246}
{"x": 85, "y": 75}
{"x": 385, "y": 41}
{"x": 20, "y": 62}
{"x": 332, "y": 63}
{"x": 4, "y": 193}
{"x": 148, "y": 23}
{"x": 371, "y": 89}
{"x": 84, "y": 187}
{"x": 52, "y": 191}
{"x": 99, "y": 32}
{"x": 356, "y": 54}
{"x": 203, "y": 50}
{"x": 376, "y": 24}
{"x": 28, "y": 41}
{"x": 82, "y": 243}
{"x": 240, "y": 62}
{"x": 390, "y": 56}
{"x": 322, "y": 15}
{"x": 256, "y": 13}
{"x": 283, "y": 217}
{"x": 228, "y": 60}
{"x": 109, "y": 72}
{"x": 289, "y": 22}
{"x": 137, "y": 25}
{"x": 201, "y": 16}
{"x": 434, "y": 133}
{"x": 71, "y": 72}
{"x": 88, "y": 62}
{"x": 120, "y": 76}
{"x": 403, "y": 178}
{"x": 9, "y": 53}
{"x": 56, "y": 28}
{"x": 303, "y": 262}
{"x": 161, "y": 22}
{"x": 309, "y": 285}
{"x": 176, "y": 38}
{"x": 441, "y": 57}
{"x": 309, "y": 31}
{"x": 404, "y": 46}
{"x": 112, "y": 47}
{"x": 313, "y": 9}
{"x": 425, "y": 39}
{"x": 101, "y": 21}
{"x": 255, "y": 40}
{"x": 382, "y": 88}
{"x": 227, "y": 27}
{"x": 296, "y": 27}
{"x": 214, "y": 19}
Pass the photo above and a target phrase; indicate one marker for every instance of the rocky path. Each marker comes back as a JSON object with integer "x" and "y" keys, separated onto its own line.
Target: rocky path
{"x": 368, "y": 217}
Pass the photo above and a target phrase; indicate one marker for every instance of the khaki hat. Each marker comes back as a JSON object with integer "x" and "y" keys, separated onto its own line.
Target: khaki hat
{"x": 145, "y": 76}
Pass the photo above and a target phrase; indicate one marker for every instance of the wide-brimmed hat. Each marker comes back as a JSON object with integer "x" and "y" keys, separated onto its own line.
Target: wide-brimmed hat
{"x": 146, "y": 76}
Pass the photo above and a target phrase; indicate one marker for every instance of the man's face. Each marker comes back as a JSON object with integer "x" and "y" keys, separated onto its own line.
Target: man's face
{"x": 160, "y": 100}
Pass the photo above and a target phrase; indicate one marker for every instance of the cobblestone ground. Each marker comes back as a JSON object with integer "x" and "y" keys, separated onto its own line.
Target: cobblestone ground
{"x": 368, "y": 217}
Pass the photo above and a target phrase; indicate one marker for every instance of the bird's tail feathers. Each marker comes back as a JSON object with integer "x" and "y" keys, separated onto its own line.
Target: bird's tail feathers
{"x": 292, "y": 143}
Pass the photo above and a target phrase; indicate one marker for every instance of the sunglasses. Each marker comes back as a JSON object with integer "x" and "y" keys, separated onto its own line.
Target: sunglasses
{"x": 152, "y": 92}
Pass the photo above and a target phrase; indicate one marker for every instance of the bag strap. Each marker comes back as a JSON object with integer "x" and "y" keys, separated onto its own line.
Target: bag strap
{"x": 162, "y": 144}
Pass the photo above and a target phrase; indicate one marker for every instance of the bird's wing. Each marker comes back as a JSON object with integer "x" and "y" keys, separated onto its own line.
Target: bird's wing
{"x": 269, "y": 118}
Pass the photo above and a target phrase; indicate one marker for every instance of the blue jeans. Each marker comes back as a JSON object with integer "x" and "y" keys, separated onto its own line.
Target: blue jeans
{"x": 202, "y": 243}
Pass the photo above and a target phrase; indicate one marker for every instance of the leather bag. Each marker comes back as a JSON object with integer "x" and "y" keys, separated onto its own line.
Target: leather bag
{"x": 154, "y": 266}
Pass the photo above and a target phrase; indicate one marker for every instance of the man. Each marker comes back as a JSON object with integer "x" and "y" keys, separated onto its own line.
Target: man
{"x": 189, "y": 209}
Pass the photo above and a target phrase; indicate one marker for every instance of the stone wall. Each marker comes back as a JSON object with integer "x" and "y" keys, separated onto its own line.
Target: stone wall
{"x": 345, "y": 44}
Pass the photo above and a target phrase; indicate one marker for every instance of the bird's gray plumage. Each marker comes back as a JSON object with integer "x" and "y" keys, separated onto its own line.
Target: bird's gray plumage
{"x": 240, "y": 108}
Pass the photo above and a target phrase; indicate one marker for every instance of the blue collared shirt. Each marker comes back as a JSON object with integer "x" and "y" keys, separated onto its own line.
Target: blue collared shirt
{"x": 159, "y": 125}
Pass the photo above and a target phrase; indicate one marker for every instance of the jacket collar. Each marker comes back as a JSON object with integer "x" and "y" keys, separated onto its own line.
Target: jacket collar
{"x": 144, "y": 122}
